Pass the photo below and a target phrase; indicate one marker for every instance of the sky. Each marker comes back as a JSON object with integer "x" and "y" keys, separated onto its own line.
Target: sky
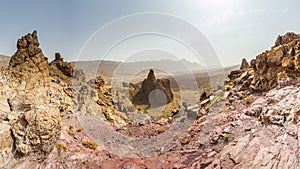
{"x": 235, "y": 29}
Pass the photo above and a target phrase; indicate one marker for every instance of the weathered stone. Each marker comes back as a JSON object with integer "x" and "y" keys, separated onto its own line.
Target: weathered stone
{"x": 287, "y": 63}
{"x": 29, "y": 66}
{"x": 287, "y": 38}
{"x": 297, "y": 62}
{"x": 66, "y": 68}
{"x": 37, "y": 131}
{"x": 244, "y": 64}
{"x": 271, "y": 66}
{"x": 140, "y": 94}
{"x": 6, "y": 140}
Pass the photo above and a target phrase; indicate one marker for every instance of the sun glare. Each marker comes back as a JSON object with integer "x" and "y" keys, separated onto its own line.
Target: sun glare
{"x": 219, "y": 3}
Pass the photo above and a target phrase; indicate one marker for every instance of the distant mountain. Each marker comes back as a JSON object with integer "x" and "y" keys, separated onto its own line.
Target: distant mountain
{"x": 4, "y": 60}
{"x": 107, "y": 68}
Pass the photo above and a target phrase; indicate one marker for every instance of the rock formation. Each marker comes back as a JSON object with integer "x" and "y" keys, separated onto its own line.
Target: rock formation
{"x": 96, "y": 90}
{"x": 285, "y": 39}
{"x": 279, "y": 62}
{"x": 244, "y": 65}
{"x": 140, "y": 94}
{"x": 65, "y": 67}
{"x": 91, "y": 97}
{"x": 34, "y": 123}
{"x": 42, "y": 134}
{"x": 35, "y": 95}
{"x": 29, "y": 71}
{"x": 270, "y": 68}
{"x": 266, "y": 93}
{"x": 257, "y": 128}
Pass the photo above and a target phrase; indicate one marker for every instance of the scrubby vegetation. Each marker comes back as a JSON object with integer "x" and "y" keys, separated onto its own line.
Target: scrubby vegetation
{"x": 90, "y": 144}
{"x": 60, "y": 147}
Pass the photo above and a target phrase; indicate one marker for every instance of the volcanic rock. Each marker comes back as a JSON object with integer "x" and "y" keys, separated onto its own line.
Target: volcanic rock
{"x": 29, "y": 71}
{"x": 234, "y": 74}
{"x": 5, "y": 136}
{"x": 287, "y": 38}
{"x": 280, "y": 61}
{"x": 270, "y": 67}
{"x": 6, "y": 142}
{"x": 65, "y": 70}
{"x": 96, "y": 97}
{"x": 271, "y": 146}
{"x": 28, "y": 96}
{"x": 41, "y": 134}
{"x": 244, "y": 65}
{"x": 65, "y": 67}
{"x": 163, "y": 94}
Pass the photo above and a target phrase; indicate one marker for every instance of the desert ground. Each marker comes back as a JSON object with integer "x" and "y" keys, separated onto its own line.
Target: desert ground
{"x": 59, "y": 114}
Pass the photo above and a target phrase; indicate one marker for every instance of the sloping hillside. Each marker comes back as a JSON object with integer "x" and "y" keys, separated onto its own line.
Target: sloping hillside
{"x": 108, "y": 68}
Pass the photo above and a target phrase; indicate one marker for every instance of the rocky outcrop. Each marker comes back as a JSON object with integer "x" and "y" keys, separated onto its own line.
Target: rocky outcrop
{"x": 65, "y": 70}
{"x": 71, "y": 92}
{"x": 270, "y": 69}
{"x": 140, "y": 94}
{"x": 244, "y": 64}
{"x": 104, "y": 103}
{"x": 29, "y": 119}
{"x": 266, "y": 132}
{"x": 281, "y": 61}
{"x": 264, "y": 108}
{"x": 34, "y": 95}
{"x": 29, "y": 72}
{"x": 285, "y": 39}
{"x": 65, "y": 67}
{"x": 25, "y": 99}
{"x": 278, "y": 106}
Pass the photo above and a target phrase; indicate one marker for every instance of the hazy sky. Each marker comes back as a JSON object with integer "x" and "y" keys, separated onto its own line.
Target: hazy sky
{"x": 235, "y": 28}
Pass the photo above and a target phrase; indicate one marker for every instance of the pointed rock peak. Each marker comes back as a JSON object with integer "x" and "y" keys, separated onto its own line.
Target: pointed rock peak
{"x": 28, "y": 49}
{"x": 58, "y": 57}
{"x": 65, "y": 67}
{"x": 244, "y": 65}
{"x": 27, "y": 40}
{"x": 151, "y": 75}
